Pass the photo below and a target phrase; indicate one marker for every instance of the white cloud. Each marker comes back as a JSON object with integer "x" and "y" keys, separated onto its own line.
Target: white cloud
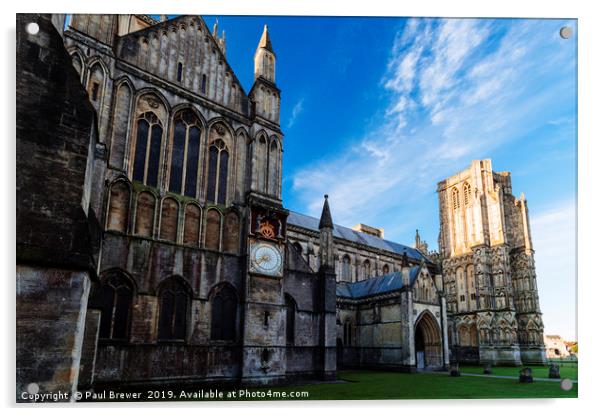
{"x": 297, "y": 109}
{"x": 454, "y": 95}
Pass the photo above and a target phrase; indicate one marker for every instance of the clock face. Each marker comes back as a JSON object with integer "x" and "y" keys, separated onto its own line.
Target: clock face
{"x": 266, "y": 259}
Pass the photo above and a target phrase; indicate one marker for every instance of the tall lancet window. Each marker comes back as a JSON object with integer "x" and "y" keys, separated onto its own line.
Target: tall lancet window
{"x": 455, "y": 198}
{"x": 466, "y": 194}
{"x": 185, "y": 154}
{"x": 218, "y": 172}
{"x": 147, "y": 155}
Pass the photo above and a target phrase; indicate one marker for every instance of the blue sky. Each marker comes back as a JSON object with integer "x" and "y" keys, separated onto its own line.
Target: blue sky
{"x": 376, "y": 111}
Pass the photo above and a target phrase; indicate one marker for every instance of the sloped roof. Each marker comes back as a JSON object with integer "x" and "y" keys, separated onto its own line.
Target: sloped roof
{"x": 375, "y": 285}
{"x": 311, "y": 223}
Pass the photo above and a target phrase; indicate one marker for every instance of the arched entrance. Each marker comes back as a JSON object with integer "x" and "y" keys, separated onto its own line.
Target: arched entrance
{"x": 427, "y": 342}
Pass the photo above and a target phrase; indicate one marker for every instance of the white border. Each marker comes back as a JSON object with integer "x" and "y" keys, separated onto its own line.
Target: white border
{"x": 589, "y": 188}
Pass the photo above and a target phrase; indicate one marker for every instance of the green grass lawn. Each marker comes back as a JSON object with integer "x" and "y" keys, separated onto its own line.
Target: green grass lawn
{"x": 567, "y": 370}
{"x": 367, "y": 385}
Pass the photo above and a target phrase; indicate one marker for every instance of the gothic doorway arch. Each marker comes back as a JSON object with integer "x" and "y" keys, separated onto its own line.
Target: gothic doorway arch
{"x": 427, "y": 342}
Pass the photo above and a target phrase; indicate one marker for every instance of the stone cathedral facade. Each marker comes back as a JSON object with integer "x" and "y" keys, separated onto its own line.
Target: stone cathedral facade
{"x": 163, "y": 235}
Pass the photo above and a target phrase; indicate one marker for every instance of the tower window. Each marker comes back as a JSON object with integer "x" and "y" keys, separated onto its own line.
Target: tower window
{"x": 180, "y": 68}
{"x": 466, "y": 194}
{"x": 204, "y": 84}
{"x": 95, "y": 88}
{"x": 455, "y": 198}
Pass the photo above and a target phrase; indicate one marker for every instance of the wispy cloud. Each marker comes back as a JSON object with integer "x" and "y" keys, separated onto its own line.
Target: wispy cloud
{"x": 553, "y": 233}
{"x": 297, "y": 109}
{"x": 457, "y": 88}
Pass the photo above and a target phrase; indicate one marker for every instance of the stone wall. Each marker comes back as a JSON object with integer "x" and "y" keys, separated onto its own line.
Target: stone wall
{"x": 57, "y": 231}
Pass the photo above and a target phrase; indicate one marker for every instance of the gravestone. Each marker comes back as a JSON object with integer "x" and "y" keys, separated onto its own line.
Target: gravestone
{"x": 554, "y": 371}
{"x": 525, "y": 375}
{"x": 455, "y": 370}
{"x": 487, "y": 368}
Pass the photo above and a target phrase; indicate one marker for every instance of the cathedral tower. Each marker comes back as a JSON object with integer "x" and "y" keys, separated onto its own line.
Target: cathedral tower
{"x": 488, "y": 268}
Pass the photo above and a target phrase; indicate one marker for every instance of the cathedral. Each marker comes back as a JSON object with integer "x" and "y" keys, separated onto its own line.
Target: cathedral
{"x": 154, "y": 248}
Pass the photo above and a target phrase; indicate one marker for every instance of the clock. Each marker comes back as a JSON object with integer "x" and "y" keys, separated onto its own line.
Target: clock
{"x": 266, "y": 258}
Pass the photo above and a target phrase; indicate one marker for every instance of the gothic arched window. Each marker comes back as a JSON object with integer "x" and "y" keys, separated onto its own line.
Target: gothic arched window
{"x": 466, "y": 194}
{"x": 290, "y": 319}
{"x": 455, "y": 198}
{"x": 185, "y": 151}
{"x": 385, "y": 269}
{"x": 114, "y": 299}
{"x": 173, "y": 310}
{"x": 147, "y": 155}
{"x": 366, "y": 269}
{"x": 217, "y": 182}
{"x": 346, "y": 268}
{"x": 224, "y": 310}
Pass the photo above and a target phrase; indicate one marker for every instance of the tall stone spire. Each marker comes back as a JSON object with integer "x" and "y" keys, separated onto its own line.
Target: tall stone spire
{"x": 326, "y": 218}
{"x": 326, "y": 237}
{"x": 265, "y": 41}
{"x": 265, "y": 58}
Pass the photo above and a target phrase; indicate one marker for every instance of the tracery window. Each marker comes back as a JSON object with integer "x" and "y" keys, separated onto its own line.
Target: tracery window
{"x": 114, "y": 299}
{"x": 217, "y": 181}
{"x": 224, "y": 307}
{"x": 466, "y": 194}
{"x": 173, "y": 307}
{"x": 149, "y": 134}
{"x": 185, "y": 152}
{"x": 455, "y": 198}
